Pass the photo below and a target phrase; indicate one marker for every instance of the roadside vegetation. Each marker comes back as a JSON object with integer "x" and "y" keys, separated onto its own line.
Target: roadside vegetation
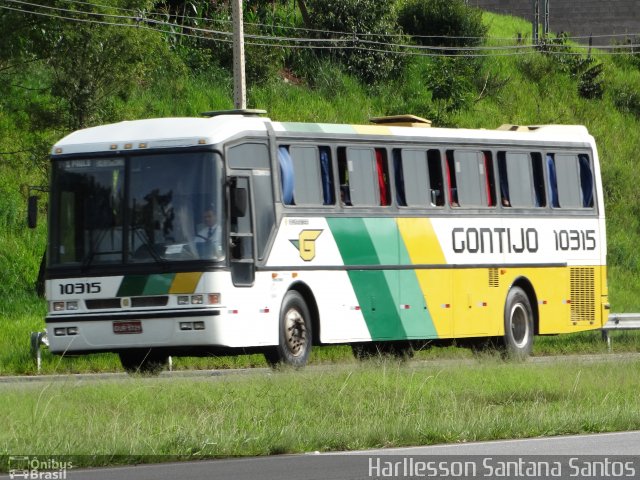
{"x": 373, "y": 404}
{"x": 56, "y": 76}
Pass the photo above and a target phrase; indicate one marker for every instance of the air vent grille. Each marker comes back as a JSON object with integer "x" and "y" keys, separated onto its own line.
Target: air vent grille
{"x": 582, "y": 294}
{"x": 494, "y": 278}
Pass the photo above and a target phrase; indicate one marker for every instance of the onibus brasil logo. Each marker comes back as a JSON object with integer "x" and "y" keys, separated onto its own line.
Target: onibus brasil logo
{"x": 306, "y": 244}
{"x": 37, "y": 468}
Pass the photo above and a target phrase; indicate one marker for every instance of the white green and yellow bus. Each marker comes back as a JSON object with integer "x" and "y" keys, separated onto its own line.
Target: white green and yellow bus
{"x": 378, "y": 236}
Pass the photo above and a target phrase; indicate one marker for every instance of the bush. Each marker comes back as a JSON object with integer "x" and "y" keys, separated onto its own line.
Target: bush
{"x": 365, "y": 34}
{"x": 452, "y": 22}
{"x": 586, "y": 70}
{"x": 536, "y": 67}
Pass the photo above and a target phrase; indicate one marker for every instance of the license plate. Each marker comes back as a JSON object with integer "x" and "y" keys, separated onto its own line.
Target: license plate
{"x": 134, "y": 326}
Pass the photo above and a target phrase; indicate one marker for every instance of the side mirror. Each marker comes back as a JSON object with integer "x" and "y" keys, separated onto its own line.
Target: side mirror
{"x": 32, "y": 211}
{"x": 239, "y": 199}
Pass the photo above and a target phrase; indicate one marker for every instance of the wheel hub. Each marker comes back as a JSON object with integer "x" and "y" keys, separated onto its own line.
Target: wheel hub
{"x": 296, "y": 332}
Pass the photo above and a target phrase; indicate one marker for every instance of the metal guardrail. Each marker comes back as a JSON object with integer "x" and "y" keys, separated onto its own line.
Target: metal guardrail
{"x": 620, "y": 321}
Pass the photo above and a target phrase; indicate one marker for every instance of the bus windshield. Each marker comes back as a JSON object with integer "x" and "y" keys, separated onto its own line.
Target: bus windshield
{"x": 139, "y": 209}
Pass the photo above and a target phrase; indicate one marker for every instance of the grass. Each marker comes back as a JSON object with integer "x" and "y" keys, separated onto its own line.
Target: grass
{"x": 369, "y": 405}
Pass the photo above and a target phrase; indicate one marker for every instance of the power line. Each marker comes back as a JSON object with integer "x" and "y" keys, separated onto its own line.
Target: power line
{"x": 335, "y": 32}
{"x": 308, "y": 43}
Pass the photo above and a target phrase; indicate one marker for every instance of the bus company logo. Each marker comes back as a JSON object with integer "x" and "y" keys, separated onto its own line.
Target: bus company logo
{"x": 306, "y": 244}
{"x": 38, "y": 469}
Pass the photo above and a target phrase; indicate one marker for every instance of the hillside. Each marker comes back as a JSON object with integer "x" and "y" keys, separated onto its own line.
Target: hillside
{"x": 532, "y": 88}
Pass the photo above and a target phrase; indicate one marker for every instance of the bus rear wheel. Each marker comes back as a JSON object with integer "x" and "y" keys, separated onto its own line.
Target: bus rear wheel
{"x": 294, "y": 340}
{"x": 518, "y": 324}
{"x": 145, "y": 361}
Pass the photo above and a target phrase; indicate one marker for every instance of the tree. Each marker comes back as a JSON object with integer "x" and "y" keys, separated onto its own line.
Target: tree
{"x": 365, "y": 33}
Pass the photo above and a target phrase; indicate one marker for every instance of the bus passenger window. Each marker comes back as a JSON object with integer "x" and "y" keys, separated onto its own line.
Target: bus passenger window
{"x": 359, "y": 179}
{"x": 436, "y": 183}
{"x": 473, "y": 172}
{"x": 343, "y": 173}
{"x": 327, "y": 176}
{"x": 286, "y": 175}
{"x": 521, "y": 179}
{"x": 575, "y": 182}
{"x": 504, "y": 182}
{"x": 451, "y": 180}
{"x": 490, "y": 187}
{"x": 309, "y": 188}
{"x": 418, "y": 178}
{"x": 383, "y": 177}
{"x": 586, "y": 181}
{"x": 401, "y": 197}
{"x": 538, "y": 180}
{"x": 553, "y": 182}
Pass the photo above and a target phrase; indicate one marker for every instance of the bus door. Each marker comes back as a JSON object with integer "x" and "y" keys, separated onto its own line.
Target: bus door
{"x": 241, "y": 232}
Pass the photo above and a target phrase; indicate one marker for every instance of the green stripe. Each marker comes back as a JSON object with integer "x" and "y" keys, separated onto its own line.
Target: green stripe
{"x": 159, "y": 284}
{"x": 370, "y": 286}
{"x": 132, "y": 286}
{"x": 417, "y": 320}
{"x": 138, "y": 285}
{"x": 377, "y": 241}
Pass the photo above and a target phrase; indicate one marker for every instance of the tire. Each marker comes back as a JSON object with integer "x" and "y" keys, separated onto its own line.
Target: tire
{"x": 295, "y": 334}
{"x": 518, "y": 324}
{"x": 146, "y": 362}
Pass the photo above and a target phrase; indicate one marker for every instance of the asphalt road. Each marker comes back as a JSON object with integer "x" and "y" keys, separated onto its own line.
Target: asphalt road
{"x": 580, "y": 456}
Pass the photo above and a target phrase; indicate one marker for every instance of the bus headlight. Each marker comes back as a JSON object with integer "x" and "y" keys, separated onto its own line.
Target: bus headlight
{"x": 183, "y": 300}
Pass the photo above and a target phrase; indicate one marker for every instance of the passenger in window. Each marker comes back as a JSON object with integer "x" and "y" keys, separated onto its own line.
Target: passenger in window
{"x": 208, "y": 240}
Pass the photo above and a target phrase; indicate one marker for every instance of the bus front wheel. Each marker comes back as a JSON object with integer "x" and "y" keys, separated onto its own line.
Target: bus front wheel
{"x": 518, "y": 324}
{"x": 294, "y": 339}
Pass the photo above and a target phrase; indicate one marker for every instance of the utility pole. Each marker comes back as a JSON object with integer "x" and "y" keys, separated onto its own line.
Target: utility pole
{"x": 239, "y": 80}
{"x": 536, "y": 21}
{"x": 545, "y": 23}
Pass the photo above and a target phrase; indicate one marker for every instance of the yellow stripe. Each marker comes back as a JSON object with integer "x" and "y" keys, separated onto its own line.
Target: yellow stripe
{"x": 421, "y": 241}
{"x": 423, "y": 247}
{"x": 185, "y": 282}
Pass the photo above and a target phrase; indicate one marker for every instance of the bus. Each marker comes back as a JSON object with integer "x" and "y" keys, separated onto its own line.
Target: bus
{"x": 383, "y": 237}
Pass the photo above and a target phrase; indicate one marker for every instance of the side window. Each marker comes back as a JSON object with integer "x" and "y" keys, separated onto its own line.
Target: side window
{"x": 307, "y": 189}
{"x": 570, "y": 180}
{"x": 552, "y": 180}
{"x": 287, "y": 175}
{"x": 520, "y": 179}
{"x": 327, "y": 176}
{"x": 248, "y": 155}
{"x": 305, "y": 174}
{"x": 471, "y": 178}
{"x": 359, "y": 179}
{"x": 586, "y": 180}
{"x": 538, "y": 179}
{"x": 382, "y": 171}
{"x": 418, "y": 177}
{"x": 574, "y": 179}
